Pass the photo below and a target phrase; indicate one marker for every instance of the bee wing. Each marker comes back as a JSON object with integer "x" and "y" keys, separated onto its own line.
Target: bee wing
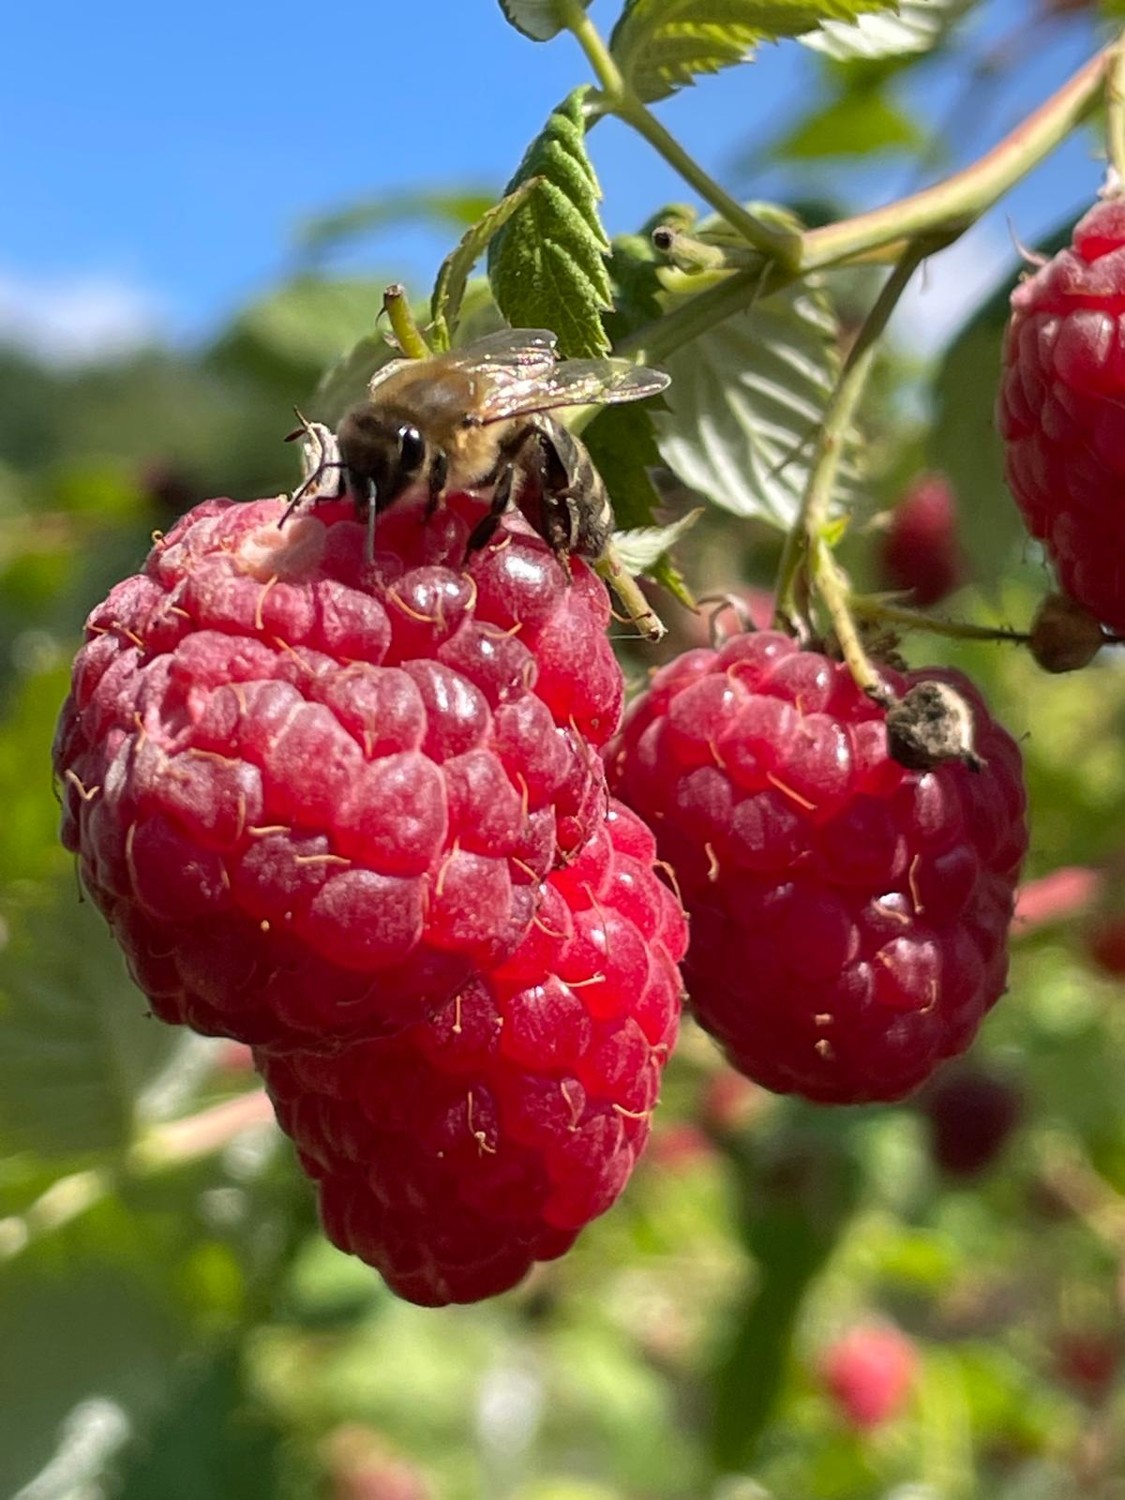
{"x": 573, "y": 382}
{"x": 513, "y": 348}
{"x": 509, "y": 355}
{"x": 385, "y": 372}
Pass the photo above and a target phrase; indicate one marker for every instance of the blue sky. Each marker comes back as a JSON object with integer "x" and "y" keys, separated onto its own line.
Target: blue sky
{"x": 159, "y": 157}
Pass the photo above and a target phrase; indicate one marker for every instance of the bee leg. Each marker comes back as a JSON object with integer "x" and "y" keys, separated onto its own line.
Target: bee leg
{"x": 372, "y": 512}
{"x": 439, "y": 473}
{"x": 559, "y": 512}
{"x": 482, "y": 533}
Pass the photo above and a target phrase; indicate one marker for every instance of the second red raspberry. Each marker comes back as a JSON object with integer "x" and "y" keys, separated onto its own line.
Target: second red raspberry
{"x": 849, "y": 918}
{"x": 1060, "y": 405}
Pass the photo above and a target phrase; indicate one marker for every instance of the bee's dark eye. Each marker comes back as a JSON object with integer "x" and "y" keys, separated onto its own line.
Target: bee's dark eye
{"x": 411, "y": 449}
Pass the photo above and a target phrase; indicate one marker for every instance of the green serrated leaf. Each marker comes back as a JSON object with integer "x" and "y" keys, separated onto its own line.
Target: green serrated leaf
{"x": 449, "y": 289}
{"x": 745, "y": 402}
{"x": 622, "y": 442}
{"x": 76, "y": 1042}
{"x": 634, "y": 273}
{"x": 642, "y": 548}
{"x": 665, "y": 572}
{"x": 916, "y": 26}
{"x": 547, "y": 265}
{"x": 661, "y": 45}
{"x": 537, "y": 19}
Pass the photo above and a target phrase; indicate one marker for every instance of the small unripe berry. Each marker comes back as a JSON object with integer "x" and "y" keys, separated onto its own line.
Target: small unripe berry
{"x": 1065, "y": 636}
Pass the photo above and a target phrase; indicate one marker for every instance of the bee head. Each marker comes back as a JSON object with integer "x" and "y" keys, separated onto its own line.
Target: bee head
{"x": 382, "y": 453}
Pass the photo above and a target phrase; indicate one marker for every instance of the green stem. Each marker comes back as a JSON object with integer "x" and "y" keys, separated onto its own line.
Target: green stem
{"x": 618, "y": 99}
{"x": 784, "y": 246}
{"x": 653, "y": 343}
{"x": 407, "y": 334}
{"x": 867, "y": 607}
{"x": 574, "y": 17}
{"x": 1115, "y": 113}
{"x": 954, "y": 204}
{"x": 805, "y": 546}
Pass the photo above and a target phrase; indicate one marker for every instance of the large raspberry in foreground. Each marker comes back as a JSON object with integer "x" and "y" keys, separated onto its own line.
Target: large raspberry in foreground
{"x": 480, "y": 1139}
{"x": 312, "y": 795}
{"x": 849, "y": 918}
{"x": 1060, "y": 410}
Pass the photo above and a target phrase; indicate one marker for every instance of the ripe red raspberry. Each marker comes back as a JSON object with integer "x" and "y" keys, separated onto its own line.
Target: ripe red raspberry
{"x": 481, "y": 1138}
{"x": 312, "y": 795}
{"x": 849, "y": 917}
{"x": 869, "y": 1373}
{"x": 920, "y": 553}
{"x": 1059, "y": 410}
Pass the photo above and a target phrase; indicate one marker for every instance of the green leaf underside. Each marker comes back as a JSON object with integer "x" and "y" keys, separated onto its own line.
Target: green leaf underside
{"x": 918, "y": 26}
{"x": 547, "y": 265}
{"x": 537, "y": 19}
{"x": 662, "y": 45}
{"x": 745, "y": 403}
{"x": 449, "y": 289}
{"x": 642, "y": 548}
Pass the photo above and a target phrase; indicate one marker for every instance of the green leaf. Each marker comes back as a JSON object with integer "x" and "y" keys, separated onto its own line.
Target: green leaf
{"x": 449, "y": 289}
{"x": 287, "y": 338}
{"x": 661, "y": 45}
{"x": 77, "y": 1327}
{"x": 547, "y": 265}
{"x": 76, "y": 1042}
{"x": 622, "y": 442}
{"x": 537, "y": 19}
{"x": 642, "y": 548}
{"x": 327, "y": 231}
{"x": 211, "y": 1443}
{"x": 745, "y": 402}
{"x": 857, "y": 124}
{"x": 918, "y": 26}
{"x": 634, "y": 269}
{"x": 345, "y": 382}
{"x": 797, "y": 1193}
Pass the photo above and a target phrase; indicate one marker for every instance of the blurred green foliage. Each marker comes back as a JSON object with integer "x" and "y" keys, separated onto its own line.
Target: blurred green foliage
{"x": 172, "y": 1323}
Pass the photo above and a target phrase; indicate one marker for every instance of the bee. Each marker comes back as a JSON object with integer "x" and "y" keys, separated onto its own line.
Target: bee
{"x": 478, "y": 419}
